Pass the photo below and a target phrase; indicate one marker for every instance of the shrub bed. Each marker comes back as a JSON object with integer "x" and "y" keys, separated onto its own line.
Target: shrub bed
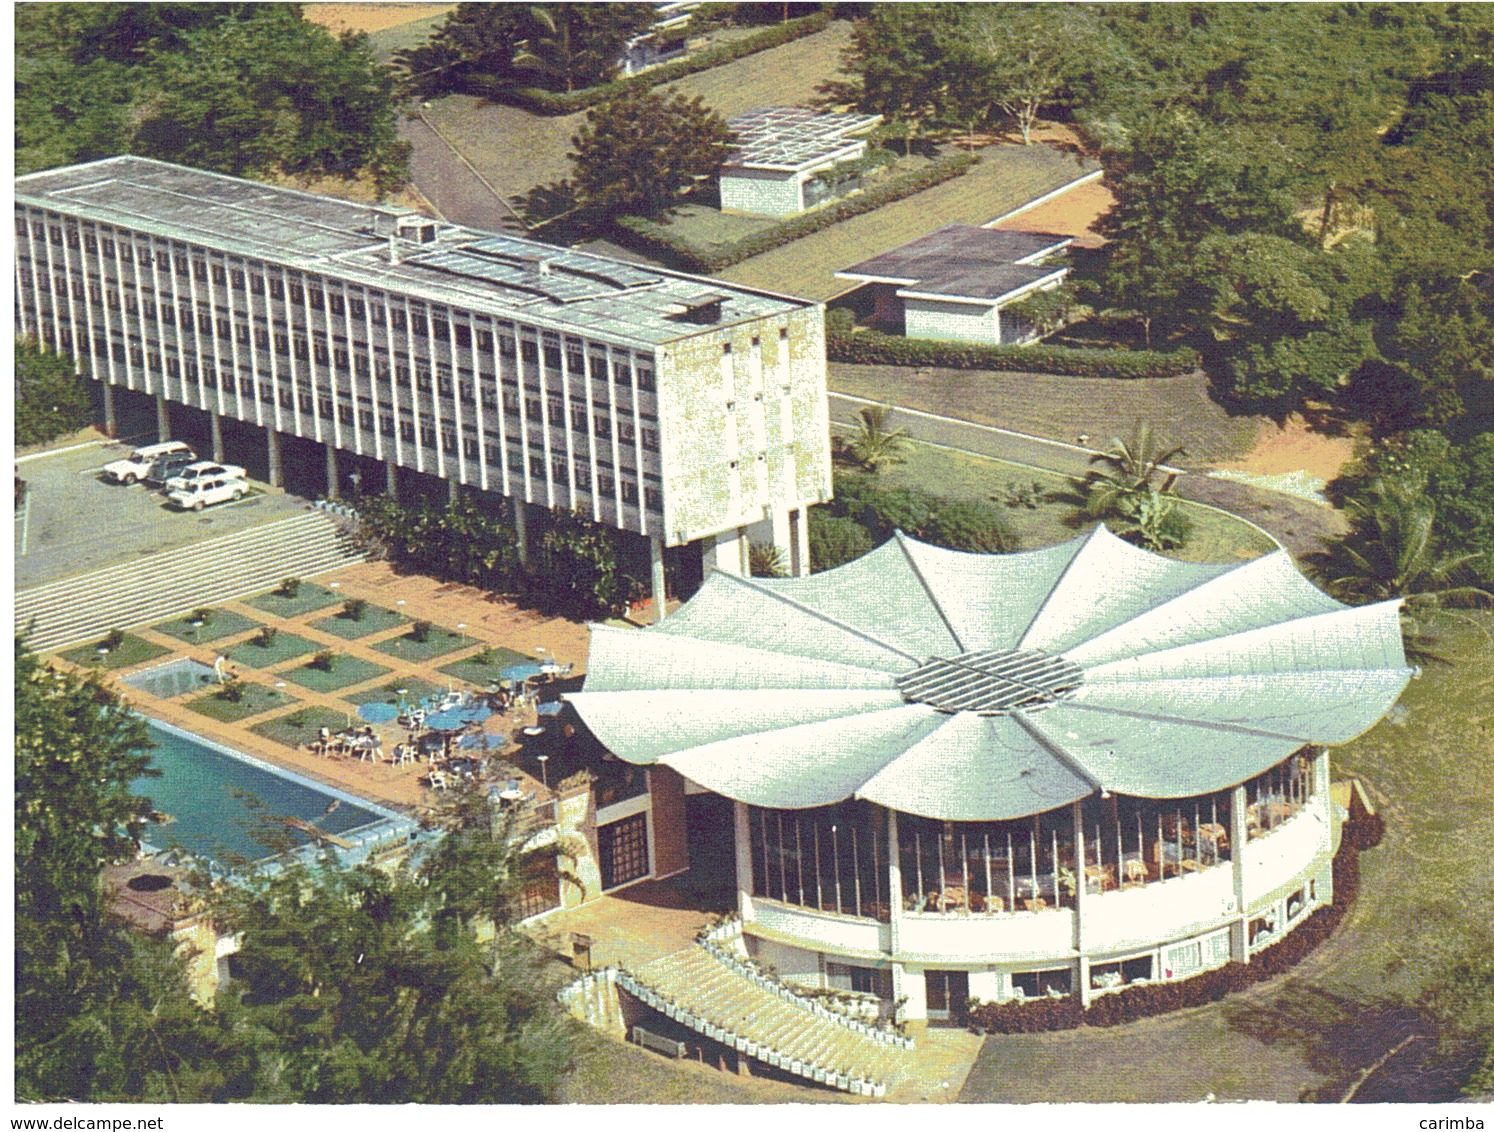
{"x": 658, "y": 242}
{"x": 552, "y": 103}
{"x": 871, "y": 347}
{"x": 1133, "y": 1003}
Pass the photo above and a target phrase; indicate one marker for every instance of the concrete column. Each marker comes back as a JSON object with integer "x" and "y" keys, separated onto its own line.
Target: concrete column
{"x": 1081, "y": 972}
{"x": 1239, "y": 942}
{"x": 334, "y": 490}
{"x": 1322, "y": 789}
{"x": 743, "y": 827}
{"x": 800, "y": 564}
{"x": 163, "y": 418}
{"x": 894, "y": 890}
{"x": 656, "y": 574}
{"x": 216, "y": 420}
{"x": 726, "y": 551}
{"x": 453, "y": 492}
{"x": 521, "y": 529}
{"x": 391, "y": 479}
{"x": 272, "y": 443}
{"x": 777, "y": 530}
{"x": 111, "y": 421}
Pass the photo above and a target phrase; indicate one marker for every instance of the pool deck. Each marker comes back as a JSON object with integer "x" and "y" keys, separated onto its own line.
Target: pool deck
{"x": 488, "y": 619}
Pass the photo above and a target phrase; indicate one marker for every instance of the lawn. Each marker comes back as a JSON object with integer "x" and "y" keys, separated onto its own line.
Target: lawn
{"x": 516, "y": 150}
{"x": 344, "y": 673}
{"x": 475, "y": 672}
{"x": 1424, "y": 900}
{"x": 959, "y": 475}
{"x": 438, "y": 642}
{"x": 388, "y": 693}
{"x": 1007, "y": 177}
{"x": 1064, "y": 408}
{"x": 221, "y": 623}
{"x": 286, "y": 646}
{"x": 309, "y": 597}
{"x": 296, "y": 729}
{"x": 374, "y": 619}
{"x": 131, "y": 651}
{"x": 256, "y": 699}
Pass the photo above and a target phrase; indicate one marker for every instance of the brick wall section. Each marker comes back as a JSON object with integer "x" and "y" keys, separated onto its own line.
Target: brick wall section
{"x": 671, "y": 848}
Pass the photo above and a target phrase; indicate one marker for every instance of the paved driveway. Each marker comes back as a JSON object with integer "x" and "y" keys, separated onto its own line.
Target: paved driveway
{"x": 80, "y": 522}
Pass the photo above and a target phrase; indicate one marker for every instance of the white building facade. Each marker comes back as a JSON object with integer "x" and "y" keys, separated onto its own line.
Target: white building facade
{"x": 677, "y": 408}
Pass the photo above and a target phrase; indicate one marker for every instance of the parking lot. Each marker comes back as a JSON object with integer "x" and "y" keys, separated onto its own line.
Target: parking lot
{"x": 79, "y": 522}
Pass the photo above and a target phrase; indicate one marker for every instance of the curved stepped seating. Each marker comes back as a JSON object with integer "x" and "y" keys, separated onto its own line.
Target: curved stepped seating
{"x": 704, "y": 991}
{"x": 156, "y": 586}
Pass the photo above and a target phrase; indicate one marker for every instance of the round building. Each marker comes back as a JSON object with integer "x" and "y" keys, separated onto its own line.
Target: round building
{"x": 1055, "y": 772}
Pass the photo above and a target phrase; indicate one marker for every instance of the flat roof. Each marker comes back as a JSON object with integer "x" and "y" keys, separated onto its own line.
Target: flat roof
{"x": 962, "y": 262}
{"x": 494, "y": 273}
{"x": 790, "y": 137}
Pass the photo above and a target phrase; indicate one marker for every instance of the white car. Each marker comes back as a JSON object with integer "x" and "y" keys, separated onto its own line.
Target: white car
{"x": 204, "y": 491}
{"x": 138, "y": 463}
{"x": 204, "y": 469}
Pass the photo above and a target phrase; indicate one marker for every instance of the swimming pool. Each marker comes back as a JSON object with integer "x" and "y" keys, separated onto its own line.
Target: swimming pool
{"x": 230, "y": 809}
{"x": 172, "y": 679}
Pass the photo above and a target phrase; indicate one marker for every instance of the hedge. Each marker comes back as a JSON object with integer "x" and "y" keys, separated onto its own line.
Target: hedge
{"x": 871, "y": 347}
{"x": 658, "y": 242}
{"x": 1133, "y": 1003}
{"x": 552, "y": 103}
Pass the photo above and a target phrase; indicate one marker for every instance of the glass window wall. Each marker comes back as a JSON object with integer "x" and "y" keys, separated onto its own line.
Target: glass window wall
{"x": 832, "y": 858}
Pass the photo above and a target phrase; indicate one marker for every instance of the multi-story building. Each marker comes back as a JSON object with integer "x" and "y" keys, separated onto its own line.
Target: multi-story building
{"x": 678, "y": 408}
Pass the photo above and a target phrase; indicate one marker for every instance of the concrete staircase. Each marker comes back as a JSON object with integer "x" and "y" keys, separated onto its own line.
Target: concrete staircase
{"x": 722, "y": 1002}
{"x": 157, "y": 586}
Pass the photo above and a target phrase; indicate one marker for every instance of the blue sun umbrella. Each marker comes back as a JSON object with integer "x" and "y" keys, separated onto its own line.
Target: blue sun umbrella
{"x": 445, "y": 721}
{"x": 551, "y": 708}
{"x": 377, "y": 712}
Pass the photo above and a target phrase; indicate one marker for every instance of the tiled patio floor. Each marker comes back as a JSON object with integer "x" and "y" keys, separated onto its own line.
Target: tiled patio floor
{"x": 487, "y": 619}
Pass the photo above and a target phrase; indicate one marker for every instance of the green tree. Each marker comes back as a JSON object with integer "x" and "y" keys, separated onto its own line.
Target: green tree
{"x": 1125, "y": 470}
{"x": 899, "y": 53}
{"x": 100, "y": 1014}
{"x": 577, "y": 564}
{"x": 1288, "y": 314}
{"x": 579, "y": 45}
{"x": 1020, "y": 58}
{"x": 873, "y": 445}
{"x": 637, "y": 154}
{"x": 1152, "y": 520}
{"x": 51, "y": 398}
{"x": 1392, "y": 550}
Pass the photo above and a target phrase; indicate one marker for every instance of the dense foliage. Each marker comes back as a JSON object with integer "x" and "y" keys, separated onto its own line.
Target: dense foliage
{"x": 438, "y": 68}
{"x": 577, "y": 565}
{"x": 51, "y": 398}
{"x": 636, "y": 155}
{"x": 863, "y": 515}
{"x": 360, "y": 986}
{"x": 1301, "y": 191}
{"x": 247, "y": 89}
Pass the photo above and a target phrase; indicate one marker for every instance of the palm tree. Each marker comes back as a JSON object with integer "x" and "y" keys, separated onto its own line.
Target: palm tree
{"x": 1391, "y": 551}
{"x": 873, "y": 444}
{"x": 1125, "y": 473}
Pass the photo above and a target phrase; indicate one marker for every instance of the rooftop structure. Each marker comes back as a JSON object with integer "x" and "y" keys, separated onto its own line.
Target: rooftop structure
{"x": 679, "y": 408}
{"x": 959, "y": 764}
{"x": 779, "y": 151}
{"x": 953, "y": 283}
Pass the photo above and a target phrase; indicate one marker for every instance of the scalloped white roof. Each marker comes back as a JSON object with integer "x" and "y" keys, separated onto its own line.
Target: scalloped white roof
{"x": 783, "y": 692}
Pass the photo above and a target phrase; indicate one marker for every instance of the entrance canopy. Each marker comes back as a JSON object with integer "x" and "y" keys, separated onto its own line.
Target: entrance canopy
{"x": 976, "y": 687}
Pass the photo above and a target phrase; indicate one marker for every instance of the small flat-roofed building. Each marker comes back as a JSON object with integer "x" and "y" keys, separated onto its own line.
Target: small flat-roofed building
{"x": 677, "y": 408}
{"x": 664, "y": 41}
{"x": 780, "y": 149}
{"x": 953, "y": 283}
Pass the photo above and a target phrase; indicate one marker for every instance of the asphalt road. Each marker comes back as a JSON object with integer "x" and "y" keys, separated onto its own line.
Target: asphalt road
{"x": 983, "y": 440}
{"x": 448, "y": 182}
{"x": 80, "y": 522}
